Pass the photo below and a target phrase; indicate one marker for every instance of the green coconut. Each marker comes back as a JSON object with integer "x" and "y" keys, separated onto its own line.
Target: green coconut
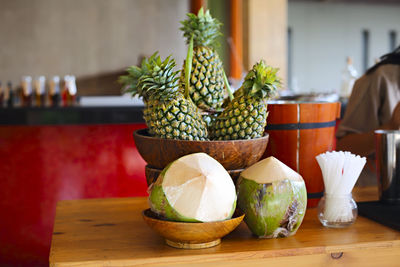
{"x": 273, "y": 197}
{"x": 193, "y": 188}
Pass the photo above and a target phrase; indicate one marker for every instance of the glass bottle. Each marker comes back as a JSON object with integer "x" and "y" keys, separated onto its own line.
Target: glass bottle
{"x": 54, "y": 91}
{"x": 1, "y": 95}
{"x": 337, "y": 211}
{"x": 26, "y": 97}
{"x": 10, "y": 95}
{"x": 40, "y": 90}
{"x": 72, "y": 90}
{"x": 69, "y": 92}
{"x": 349, "y": 76}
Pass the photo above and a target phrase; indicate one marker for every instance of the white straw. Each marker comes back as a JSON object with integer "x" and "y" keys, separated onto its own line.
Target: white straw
{"x": 340, "y": 171}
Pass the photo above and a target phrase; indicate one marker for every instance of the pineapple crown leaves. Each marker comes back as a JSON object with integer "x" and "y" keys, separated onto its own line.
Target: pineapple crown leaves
{"x": 130, "y": 81}
{"x": 261, "y": 81}
{"x": 155, "y": 78}
{"x": 203, "y": 27}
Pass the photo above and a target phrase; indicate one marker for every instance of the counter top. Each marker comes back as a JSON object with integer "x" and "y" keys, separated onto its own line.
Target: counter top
{"x": 71, "y": 115}
{"x": 111, "y": 232}
{"x": 92, "y": 110}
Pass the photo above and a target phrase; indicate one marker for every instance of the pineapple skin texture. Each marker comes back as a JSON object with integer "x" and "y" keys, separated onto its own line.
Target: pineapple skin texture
{"x": 175, "y": 118}
{"x": 206, "y": 79}
{"x": 243, "y": 118}
{"x": 209, "y": 119}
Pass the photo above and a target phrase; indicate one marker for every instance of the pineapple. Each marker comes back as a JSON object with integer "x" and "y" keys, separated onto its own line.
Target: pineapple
{"x": 206, "y": 87}
{"x": 245, "y": 117}
{"x": 168, "y": 113}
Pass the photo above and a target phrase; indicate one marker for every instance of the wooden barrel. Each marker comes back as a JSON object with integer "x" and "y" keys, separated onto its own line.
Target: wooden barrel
{"x": 299, "y": 131}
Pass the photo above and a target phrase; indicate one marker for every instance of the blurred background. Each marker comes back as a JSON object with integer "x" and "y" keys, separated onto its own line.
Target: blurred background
{"x": 79, "y": 144}
{"x": 322, "y": 34}
{"x": 95, "y": 40}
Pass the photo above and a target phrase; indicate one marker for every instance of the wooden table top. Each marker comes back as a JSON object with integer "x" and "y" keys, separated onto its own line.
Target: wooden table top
{"x": 111, "y": 232}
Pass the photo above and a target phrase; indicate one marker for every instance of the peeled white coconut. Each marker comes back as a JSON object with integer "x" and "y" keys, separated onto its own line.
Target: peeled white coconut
{"x": 194, "y": 188}
{"x": 273, "y": 197}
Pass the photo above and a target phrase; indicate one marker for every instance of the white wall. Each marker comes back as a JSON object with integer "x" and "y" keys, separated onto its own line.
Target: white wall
{"x": 324, "y": 34}
{"x": 59, "y": 37}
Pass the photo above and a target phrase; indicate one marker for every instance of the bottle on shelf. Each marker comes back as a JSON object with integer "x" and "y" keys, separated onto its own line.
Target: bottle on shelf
{"x": 69, "y": 91}
{"x": 26, "y": 96}
{"x": 10, "y": 95}
{"x": 1, "y": 95}
{"x": 54, "y": 91}
{"x": 349, "y": 76}
{"x": 40, "y": 90}
{"x": 72, "y": 91}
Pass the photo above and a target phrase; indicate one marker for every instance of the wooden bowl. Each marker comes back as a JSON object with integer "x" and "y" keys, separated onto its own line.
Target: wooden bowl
{"x": 232, "y": 154}
{"x": 153, "y": 173}
{"x": 191, "y": 235}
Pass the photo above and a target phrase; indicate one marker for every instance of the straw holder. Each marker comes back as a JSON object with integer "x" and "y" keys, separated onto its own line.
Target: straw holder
{"x": 340, "y": 171}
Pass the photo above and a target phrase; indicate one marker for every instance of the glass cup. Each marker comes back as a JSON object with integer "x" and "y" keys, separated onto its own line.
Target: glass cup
{"x": 337, "y": 211}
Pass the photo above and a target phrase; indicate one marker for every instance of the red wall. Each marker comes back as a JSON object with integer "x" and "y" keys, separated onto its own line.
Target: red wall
{"x": 40, "y": 165}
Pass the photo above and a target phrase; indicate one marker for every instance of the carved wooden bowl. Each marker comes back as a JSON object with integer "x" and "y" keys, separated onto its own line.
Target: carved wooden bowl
{"x": 153, "y": 173}
{"x": 232, "y": 154}
{"x": 191, "y": 235}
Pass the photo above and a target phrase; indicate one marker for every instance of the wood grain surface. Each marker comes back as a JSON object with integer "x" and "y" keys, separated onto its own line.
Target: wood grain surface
{"x": 232, "y": 154}
{"x": 111, "y": 232}
{"x": 191, "y": 235}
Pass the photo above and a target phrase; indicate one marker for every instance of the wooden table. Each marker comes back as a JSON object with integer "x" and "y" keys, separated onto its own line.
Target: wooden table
{"x": 111, "y": 232}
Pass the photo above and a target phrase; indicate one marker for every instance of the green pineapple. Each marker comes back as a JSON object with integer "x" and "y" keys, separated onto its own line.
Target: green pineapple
{"x": 206, "y": 87}
{"x": 245, "y": 117}
{"x": 168, "y": 113}
{"x": 209, "y": 117}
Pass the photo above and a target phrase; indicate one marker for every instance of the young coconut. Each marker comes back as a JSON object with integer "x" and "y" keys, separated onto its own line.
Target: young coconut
{"x": 194, "y": 188}
{"x": 273, "y": 197}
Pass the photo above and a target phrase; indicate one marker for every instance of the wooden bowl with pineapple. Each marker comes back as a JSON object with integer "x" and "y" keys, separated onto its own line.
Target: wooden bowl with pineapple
{"x": 232, "y": 154}
{"x": 189, "y": 114}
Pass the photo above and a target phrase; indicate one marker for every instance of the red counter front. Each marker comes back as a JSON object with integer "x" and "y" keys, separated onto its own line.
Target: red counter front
{"x": 40, "y": 165}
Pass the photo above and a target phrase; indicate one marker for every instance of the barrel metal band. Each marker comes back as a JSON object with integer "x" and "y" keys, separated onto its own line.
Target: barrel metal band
{"x": 301, "y": 126}
{"x": 315, "y": 195}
